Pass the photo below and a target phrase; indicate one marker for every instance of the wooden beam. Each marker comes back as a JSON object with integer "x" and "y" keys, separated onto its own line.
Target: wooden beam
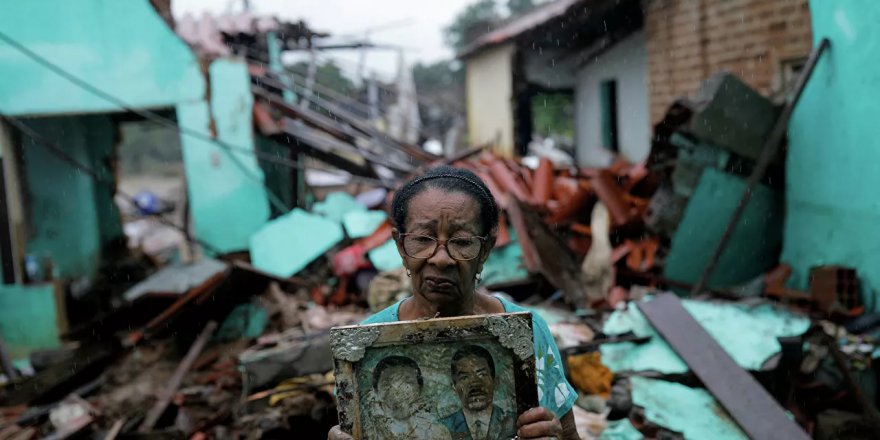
{"x": 747, "y": 402}
{"x": 168, "y": 392}
{"x": 12, "y": 246}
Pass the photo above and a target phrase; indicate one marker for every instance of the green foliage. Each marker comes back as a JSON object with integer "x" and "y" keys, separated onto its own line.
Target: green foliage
{"x": 517, "y": 7}
{"x": 553, "y": 115}
{"x": 328, "y": 74}
{"x": 475, "y": 20}
{"x": 441, "y": 76}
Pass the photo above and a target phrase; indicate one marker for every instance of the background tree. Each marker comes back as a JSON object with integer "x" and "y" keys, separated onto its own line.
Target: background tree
{"x": 328, "y": 74}
{"x": 475, "y": 20}
{"x": 517, "y": 7}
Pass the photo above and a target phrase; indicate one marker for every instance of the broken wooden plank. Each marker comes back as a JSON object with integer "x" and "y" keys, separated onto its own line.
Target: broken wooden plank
{"x": 167, "y": 394}
{"x": 115, "y": 429}
{"x": 748, "y": 403}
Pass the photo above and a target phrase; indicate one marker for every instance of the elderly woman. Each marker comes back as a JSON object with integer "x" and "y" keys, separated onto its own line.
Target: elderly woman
{"x": 445, "y": 224}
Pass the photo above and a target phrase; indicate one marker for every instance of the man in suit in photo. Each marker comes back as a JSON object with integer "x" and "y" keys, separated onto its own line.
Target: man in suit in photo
{"x": 473, "y": 378}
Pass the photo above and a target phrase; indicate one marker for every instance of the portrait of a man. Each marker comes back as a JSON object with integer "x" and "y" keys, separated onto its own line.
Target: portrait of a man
{"x": 398, "y": 383}
{"x": 438, "y": 379}
{"x": 480, "y": 418}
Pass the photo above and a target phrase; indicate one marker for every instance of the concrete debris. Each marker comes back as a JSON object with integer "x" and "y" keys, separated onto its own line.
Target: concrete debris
{"x": 234, "y": 344}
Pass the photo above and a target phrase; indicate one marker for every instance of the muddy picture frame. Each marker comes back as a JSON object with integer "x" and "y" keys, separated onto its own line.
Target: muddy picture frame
{"x": 508, "y": 336}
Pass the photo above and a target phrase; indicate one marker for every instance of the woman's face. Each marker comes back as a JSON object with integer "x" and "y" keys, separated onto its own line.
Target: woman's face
{"x": 399, "y": 391}
{"x": 440, "y": 279}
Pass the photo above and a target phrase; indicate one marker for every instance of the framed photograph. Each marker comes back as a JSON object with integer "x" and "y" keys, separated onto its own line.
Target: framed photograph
{"x": 446, "y": 378}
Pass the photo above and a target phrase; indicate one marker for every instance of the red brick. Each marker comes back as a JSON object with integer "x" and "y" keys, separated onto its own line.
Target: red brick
{"x": 687, "y": 41}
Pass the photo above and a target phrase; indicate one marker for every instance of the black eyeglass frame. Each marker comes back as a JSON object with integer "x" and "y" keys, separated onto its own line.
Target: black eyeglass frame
{"x": 438, "y": 243}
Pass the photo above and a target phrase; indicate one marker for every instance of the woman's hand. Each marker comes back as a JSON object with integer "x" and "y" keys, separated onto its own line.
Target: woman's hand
{"x": 538, "y": 423}
{"x": 337, "y": 434}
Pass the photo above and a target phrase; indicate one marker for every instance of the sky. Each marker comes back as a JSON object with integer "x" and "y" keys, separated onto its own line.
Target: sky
{"x": 415, "y": 25}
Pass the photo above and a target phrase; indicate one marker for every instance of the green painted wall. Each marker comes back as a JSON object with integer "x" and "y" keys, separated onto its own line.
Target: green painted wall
{"x": 226, "y": 194}
{"x": 123, "y": 47}
{"x": 752, "y": 249}
{"x": 70, "y": 216}
{"x": 833, "y": 166}
{"x": 28, "y": 318}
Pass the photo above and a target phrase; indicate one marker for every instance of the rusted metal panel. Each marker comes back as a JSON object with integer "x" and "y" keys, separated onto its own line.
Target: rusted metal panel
{"x": 529, "y": 253}
{"x": 543, "y": 182}
{"x": 612, "y": 196}
{"x": 264, "y": 120}
{"x": 577, "y": 203}
{"x": 506, "y": 179}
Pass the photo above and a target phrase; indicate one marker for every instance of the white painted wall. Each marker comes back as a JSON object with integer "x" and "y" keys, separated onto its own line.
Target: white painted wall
{"x": 489, "y": 94}
{"x": 627, "y": 63}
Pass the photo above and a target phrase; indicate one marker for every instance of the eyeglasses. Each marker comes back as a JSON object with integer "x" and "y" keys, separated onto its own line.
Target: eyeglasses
{"x": 459, "y": 248}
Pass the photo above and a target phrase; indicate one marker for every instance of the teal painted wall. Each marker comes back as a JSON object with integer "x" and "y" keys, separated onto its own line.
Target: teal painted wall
{"x": 226, "y": 194}
{"x": 70, "y": 216}
{"x": 279, "y": 178}
{"x": 752, "y": 249}
{"x": 123, "y": 47}
{"x": 833, "y": 165}
{"x": 28, "y": 318}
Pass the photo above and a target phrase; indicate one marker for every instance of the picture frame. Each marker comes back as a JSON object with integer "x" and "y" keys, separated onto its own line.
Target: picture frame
{"x": 432, "y": 379}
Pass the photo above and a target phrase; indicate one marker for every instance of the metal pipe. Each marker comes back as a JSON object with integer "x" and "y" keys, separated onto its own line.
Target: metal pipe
{"x": 768, "y": 153}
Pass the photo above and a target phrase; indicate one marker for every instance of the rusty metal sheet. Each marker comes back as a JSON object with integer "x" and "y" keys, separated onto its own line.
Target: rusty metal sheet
{"x": 264, "y": 121}
{"x": 529, "y": 253}
{"x": 549, "y": 255}
{"x": 578, "y": 203}
{"x": 612, "y": 196}
{"x": 507, "y": 180}
{"x": 542, "y": 189}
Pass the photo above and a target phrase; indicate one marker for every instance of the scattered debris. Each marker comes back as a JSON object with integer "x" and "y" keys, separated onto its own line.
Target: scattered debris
{"x": 756, "y": 412}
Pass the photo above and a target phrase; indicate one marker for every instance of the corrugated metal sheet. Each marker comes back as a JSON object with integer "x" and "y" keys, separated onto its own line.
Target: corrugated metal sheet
{"x": 518, "y": 25}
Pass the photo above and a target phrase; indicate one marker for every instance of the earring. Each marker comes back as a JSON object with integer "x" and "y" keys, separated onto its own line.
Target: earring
{"x": 478, "y": 278}
{"x": 408, "y": 273}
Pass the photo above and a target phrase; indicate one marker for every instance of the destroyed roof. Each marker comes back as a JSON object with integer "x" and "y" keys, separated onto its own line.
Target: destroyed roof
{"x": 521, "y": 24}
{"x": 565, "y": 24}
{"x": 211, "y": 35}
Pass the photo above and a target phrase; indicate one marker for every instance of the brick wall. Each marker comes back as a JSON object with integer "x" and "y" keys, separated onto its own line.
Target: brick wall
{"x": 688, "y": 40}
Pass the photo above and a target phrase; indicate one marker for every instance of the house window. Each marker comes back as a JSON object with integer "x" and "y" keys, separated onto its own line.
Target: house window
{"x": 608, "y": 102}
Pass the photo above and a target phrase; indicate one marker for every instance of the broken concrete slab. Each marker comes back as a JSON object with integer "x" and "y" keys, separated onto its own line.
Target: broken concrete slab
{"x": 748, "y": 334}
{"x": 359, "y": 224}
{"x": 730, "y": 114}
{"x": 505, "y": 264}
{"x": 754, "y": 246}
{"x": 621, "y": 430}
{"x": 385, "y": 257}
{"x": 690, "y": 411}
{"x": 293, "y": 357}
{"x": 176, "y": 279}
{"x": 336, "y": 205}
{"x": 755, "y": 411}
{"x": 289, "y": 243}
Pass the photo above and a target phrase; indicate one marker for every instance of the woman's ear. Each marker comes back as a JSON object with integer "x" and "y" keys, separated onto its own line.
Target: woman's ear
{"x": 395, "y": 234}
{"x": 487, "y": 247}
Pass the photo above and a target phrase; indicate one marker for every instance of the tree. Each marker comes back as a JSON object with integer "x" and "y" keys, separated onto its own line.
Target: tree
{"x": 517, "y": 7}
{"x": 440, "y": 76}
{"x": 328, "y": 74}
{"x": 476, "y": 19}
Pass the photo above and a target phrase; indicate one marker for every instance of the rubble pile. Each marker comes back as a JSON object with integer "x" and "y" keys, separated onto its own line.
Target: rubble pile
{"x": 236, "y": 346}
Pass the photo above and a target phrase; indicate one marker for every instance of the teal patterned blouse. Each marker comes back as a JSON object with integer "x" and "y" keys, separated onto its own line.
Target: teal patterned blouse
{"x": 554, "y": 391}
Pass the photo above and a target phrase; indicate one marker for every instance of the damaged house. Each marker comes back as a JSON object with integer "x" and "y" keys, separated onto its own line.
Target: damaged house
{"x": 225, "y": 336}
{"x": 624, "y": 63}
